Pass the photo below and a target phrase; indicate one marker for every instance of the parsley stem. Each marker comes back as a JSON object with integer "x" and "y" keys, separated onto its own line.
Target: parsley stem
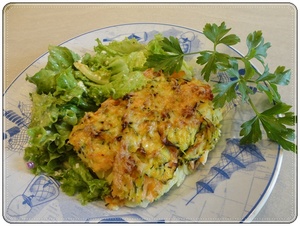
{"x": 253, "y": 107}
{"x": 251, "y": 81}
{"x": 192, "y": 53}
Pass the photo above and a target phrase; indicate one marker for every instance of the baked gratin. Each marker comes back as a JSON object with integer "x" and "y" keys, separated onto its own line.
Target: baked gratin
{"x": 148, "y": 141}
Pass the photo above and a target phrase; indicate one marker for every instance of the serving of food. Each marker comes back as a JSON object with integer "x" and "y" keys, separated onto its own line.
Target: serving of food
{"x": 150, "y": 139}
{"x": 130, "y": 120}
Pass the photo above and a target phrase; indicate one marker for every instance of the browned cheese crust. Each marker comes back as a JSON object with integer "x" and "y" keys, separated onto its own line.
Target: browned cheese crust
{"x": 136, "y": 143}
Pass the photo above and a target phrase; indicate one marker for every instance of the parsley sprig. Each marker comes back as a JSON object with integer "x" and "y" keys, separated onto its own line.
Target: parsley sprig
{"x": 277, "y": 120}
{"x": 171, "y": 61}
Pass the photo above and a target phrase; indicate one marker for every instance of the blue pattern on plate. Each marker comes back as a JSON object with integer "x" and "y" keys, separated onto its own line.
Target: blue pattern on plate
{"x": 17, "y": 135}
{"x": 234, "y": 157}
{"x": 125, "y": 218}
{"x": 42, "y": 189}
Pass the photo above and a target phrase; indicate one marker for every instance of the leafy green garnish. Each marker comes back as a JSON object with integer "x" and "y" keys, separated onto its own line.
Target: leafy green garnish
{"x": 275, "y": 120}
{"x": 168, "y": 62}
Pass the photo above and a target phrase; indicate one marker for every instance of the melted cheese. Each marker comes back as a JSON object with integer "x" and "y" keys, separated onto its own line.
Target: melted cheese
{"x": 148, "y": 141}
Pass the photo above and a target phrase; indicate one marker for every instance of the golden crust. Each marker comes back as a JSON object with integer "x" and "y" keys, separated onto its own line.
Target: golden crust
{"x": 138, "y": 142}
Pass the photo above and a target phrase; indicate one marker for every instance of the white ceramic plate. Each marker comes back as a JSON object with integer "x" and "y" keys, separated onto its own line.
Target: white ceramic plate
{"x": 232, "y": 187}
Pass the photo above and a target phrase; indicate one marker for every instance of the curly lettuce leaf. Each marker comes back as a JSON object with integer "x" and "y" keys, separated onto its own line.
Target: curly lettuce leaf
{"x": 124, "y": 47}
{"x": 45, "y": 81}
{"x": 118, "y": 87}
{"x": 60, "y": 58}
{"x": 78, "y": 180}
